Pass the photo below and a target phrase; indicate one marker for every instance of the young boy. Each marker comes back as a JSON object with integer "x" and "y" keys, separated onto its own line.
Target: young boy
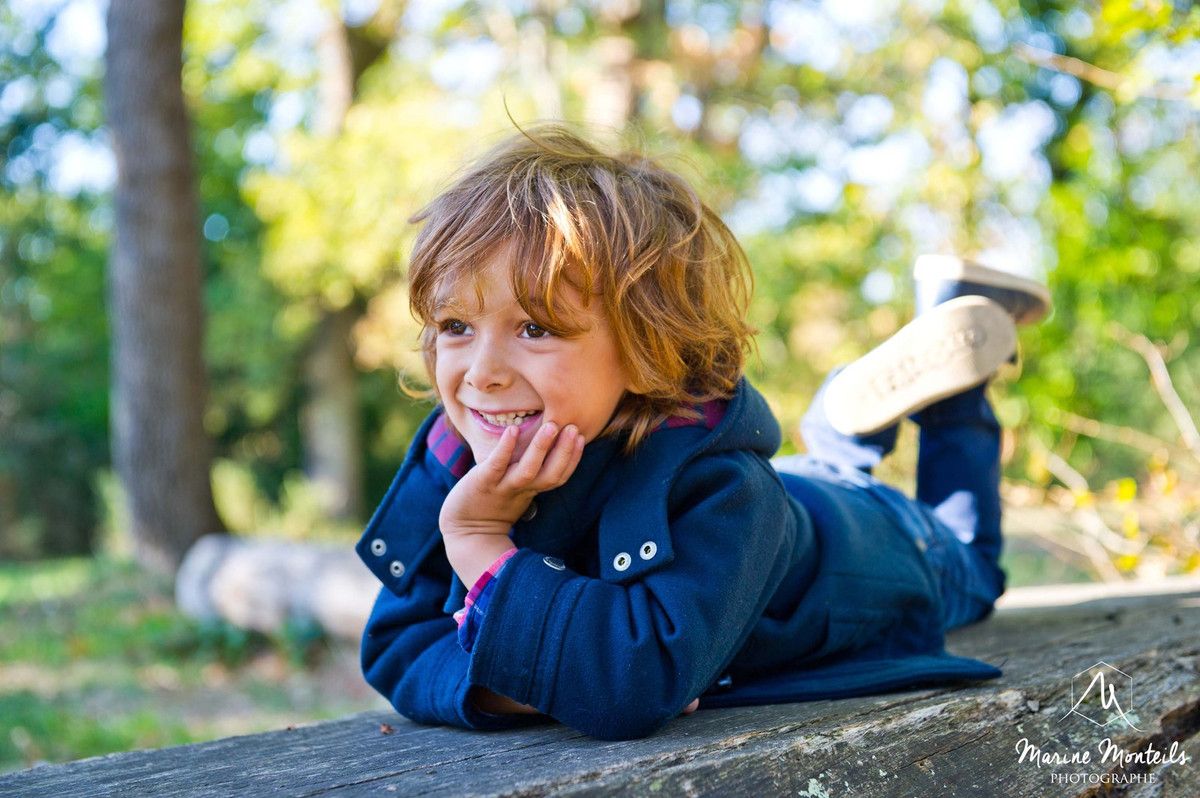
{"x": 588, "y": 526}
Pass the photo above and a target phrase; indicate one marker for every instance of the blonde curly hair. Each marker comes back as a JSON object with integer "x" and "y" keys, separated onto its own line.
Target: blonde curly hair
{"x": 673, "y": 282}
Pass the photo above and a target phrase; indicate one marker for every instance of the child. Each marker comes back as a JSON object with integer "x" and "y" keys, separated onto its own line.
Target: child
{"x": 588, "y": 526}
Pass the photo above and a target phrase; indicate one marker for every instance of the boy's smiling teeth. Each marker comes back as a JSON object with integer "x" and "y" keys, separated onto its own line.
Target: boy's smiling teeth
{"x": 507, "y": 419}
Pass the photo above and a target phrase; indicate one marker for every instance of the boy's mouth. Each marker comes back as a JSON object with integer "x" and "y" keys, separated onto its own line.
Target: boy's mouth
{"x": 497, "y": 422}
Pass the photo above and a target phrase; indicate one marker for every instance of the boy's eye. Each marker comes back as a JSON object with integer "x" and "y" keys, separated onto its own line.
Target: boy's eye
{"x": 452, "y": 326}
{"x": 531, "y": 330}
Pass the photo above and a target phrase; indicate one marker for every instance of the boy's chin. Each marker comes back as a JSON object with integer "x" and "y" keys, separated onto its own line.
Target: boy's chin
{"x": 522, "y": 445}
{"x": 484, "y": 451}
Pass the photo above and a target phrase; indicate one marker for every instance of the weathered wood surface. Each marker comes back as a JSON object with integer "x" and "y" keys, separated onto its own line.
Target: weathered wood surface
{"x": 924, "y": 743}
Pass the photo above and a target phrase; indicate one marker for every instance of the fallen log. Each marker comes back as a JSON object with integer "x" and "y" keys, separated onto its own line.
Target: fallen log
{"x": 265, "y": 583}
{"x": 1025, "y": 734}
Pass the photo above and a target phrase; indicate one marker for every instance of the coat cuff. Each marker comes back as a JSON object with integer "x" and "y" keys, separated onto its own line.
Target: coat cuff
{"x": 517, "y": 651}
{"x": 475, "y": 606}
{"x": 451, "y": 691}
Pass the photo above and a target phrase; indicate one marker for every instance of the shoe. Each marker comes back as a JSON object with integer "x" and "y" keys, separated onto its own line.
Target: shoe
{"x": 944, "y": 351}
{"x": 940, "y": 278}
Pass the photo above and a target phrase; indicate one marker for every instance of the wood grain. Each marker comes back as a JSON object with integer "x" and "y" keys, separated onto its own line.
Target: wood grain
{"x": 951, "y": 741}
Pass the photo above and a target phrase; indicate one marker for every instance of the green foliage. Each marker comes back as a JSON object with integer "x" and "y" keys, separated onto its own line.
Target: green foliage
{"x": 42, "y": 730}
{"x": 53, "y": 332}
{"x": 217, "y": 641}
{"x": 302, "y": 641}
{"x": 766, "y": 109}
{"x": 94, "y": 658}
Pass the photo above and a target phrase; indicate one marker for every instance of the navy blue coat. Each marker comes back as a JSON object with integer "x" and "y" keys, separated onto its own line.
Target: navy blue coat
{"x": 689, "y": 568}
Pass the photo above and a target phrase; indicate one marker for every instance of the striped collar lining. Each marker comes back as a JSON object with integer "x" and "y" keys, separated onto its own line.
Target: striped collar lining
{"x": 451, "y": 450}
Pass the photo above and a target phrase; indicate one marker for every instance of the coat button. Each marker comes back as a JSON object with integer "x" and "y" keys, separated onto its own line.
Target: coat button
{"x": 622, "y": 561}
{"x": 397, "y": 568}
{"x": 648, "y": 550}
{"x": 378, "y": 547}
{"x": 555, "y": 563}
{"x": 530, "y": 512}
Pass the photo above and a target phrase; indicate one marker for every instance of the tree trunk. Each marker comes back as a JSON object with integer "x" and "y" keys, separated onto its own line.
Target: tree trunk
{"x": 161, "y": 452}
{"x": 330, "y": 422}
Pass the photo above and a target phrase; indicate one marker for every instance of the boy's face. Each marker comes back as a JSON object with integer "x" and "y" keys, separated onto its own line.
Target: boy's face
{"x": 495, "y": 366}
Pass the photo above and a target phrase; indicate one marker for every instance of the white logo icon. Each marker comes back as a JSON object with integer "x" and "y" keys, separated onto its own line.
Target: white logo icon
{"x": 1103, "y": 694}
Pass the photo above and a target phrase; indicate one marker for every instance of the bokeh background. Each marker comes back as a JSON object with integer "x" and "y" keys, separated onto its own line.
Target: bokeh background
{"x": 838, "y": 139}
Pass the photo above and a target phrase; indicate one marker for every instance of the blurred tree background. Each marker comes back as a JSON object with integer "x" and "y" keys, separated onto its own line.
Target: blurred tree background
{"x": 838, "y": 139}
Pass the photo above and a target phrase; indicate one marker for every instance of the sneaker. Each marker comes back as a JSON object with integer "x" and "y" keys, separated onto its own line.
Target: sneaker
{"x": 955, "y": 346}
{"x": 940, "y": 278}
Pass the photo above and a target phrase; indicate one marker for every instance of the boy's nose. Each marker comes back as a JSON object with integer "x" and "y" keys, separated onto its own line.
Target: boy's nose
{"x": 488, "y": 369}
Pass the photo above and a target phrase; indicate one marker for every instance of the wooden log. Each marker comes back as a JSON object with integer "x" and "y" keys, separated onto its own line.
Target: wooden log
{"x": 947, "y": 741}
{"x": 264, "y": 583}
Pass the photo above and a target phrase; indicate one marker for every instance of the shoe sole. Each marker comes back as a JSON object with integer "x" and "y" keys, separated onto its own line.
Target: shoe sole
{"x": 951, "y": 267}
{"x": 955, "y": 346}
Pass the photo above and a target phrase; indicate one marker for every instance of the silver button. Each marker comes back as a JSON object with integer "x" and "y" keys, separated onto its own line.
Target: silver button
{"x": 922, "y": 545}
{"x": 529, "y": 513}
{"x": 378, "y": 547}
{"x": 397, "y": 568}
{"x": 555, "y": 563}
{"x": 648, "y": 550}
{"x": 622, "y": 561}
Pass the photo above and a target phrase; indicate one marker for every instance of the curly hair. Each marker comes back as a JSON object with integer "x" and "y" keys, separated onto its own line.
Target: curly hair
{"x": 673, "y": 282}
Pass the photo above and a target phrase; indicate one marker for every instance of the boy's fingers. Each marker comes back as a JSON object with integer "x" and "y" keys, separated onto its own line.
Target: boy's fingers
{"x": 579, "y": 444}
{"x": 692, "y": 707}
{"x": 576, "y": 456}
{"x": 561, "y": 461}
{"x": 530, "y": 464}
{"x": 496, "y": 463}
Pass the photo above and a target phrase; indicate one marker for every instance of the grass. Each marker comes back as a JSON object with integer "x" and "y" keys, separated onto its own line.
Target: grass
{"x": 94, "y": 658}
{"x": 1027, "y": 562}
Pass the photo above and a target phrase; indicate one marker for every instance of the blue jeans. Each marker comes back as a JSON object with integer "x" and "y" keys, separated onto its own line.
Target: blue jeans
{"x": 955, "y": 518}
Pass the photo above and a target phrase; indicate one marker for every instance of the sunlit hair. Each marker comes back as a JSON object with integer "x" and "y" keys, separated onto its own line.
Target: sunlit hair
{"x": 671, "y": 278}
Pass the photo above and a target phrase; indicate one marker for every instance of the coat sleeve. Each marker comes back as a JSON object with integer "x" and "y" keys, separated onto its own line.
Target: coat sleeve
{"x": 411, "y": 654}
{"x": 617, "y": 661}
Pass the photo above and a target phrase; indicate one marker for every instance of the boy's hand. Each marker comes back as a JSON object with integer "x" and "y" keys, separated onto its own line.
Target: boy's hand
{"x": 494, "y": 494}
{"x": 480, "y": 510}
{"x": 496, "y": 704}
